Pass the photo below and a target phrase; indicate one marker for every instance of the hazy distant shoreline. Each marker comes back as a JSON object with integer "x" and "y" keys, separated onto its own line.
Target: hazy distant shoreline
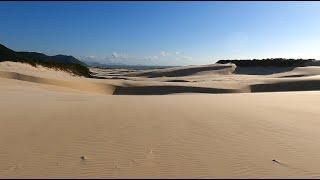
{"x": 133, "y": 67}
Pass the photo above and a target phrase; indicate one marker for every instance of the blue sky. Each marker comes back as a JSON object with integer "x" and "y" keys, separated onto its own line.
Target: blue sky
{"x": 163, "y": 33}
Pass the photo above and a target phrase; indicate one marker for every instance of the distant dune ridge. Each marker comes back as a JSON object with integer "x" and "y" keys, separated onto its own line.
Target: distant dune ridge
{"x": 213, "y": 79}
{"x": 187, "y": 71}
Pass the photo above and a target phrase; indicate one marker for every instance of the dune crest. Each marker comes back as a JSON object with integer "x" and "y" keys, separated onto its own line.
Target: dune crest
{"x": 187, "y": 71}
{"x": 47, "y": 76}
{"x": 212, "y": 79}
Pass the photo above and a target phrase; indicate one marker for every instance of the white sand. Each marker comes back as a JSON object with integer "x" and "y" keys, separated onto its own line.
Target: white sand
{"x": 45, "y": 127}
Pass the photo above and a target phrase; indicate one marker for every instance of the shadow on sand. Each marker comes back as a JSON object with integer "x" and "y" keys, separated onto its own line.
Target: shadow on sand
{"x": 161, "y": 90}
{"x": 302, "y": 85}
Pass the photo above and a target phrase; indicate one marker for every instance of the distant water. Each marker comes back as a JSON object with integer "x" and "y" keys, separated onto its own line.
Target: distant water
{"x": 133, "y": 67}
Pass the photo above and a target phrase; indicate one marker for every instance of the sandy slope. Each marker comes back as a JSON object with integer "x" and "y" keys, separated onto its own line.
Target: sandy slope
{"x": 46, "y": 76}
{"x": 48, "y": 121}
{"x": 44, "y": 133}
{"x": 213, "y": 79}
{"x": 188, "y": 71}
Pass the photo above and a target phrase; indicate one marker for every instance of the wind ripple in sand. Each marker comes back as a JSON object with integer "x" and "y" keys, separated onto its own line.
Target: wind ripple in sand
{"x": 167, "y": 136}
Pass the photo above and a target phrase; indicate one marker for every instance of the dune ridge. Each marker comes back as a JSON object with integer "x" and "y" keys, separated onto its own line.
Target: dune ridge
{"x": 202, "y": 80}
{"x": 78, "y": 85}
{"x": 187, "y": 71}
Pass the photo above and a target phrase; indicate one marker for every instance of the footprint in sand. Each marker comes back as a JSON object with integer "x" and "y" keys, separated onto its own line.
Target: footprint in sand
{"x": 274, "y": 160}
{"x": 291, "y": 167}
{"x": 83, "y": 158}
{"x": 150, "y": 155}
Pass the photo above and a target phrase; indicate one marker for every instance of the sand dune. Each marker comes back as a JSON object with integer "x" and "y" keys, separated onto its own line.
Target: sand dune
{"x": 300, "y": 72}
{"x": 293, "y": 85}
{"x": 57, "y": 78}
{"x": 40, "y": 71}
{"x": 195, "y": 136}
{"x": 205, "y": 80}
{"x": 56, "y": 125}
{"x": 81, "y": 85}
{"x": 187, "y": 71}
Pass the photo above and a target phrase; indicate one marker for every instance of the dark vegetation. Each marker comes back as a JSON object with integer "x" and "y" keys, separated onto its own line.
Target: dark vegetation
{"x": 277, "y": 62}
{"x": 61, "y": 62}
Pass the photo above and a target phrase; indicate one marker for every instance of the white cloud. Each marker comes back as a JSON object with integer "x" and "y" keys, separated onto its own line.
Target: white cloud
{"x": 115, "y": 55}
{"x": 162, "y": 58}
{"x": 88, "y": 58}
{"x": 164, "y": 54}
{"x": 174, "y": 55}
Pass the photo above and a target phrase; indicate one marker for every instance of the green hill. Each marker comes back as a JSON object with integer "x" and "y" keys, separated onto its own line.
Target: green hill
{"x": 62, "y": 62}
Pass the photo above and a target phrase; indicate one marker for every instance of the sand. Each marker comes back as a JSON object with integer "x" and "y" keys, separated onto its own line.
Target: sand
{"x": 73, "y": 127}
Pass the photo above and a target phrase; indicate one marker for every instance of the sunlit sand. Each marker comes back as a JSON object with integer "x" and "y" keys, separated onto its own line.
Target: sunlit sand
{"x": 211, "y": 123}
